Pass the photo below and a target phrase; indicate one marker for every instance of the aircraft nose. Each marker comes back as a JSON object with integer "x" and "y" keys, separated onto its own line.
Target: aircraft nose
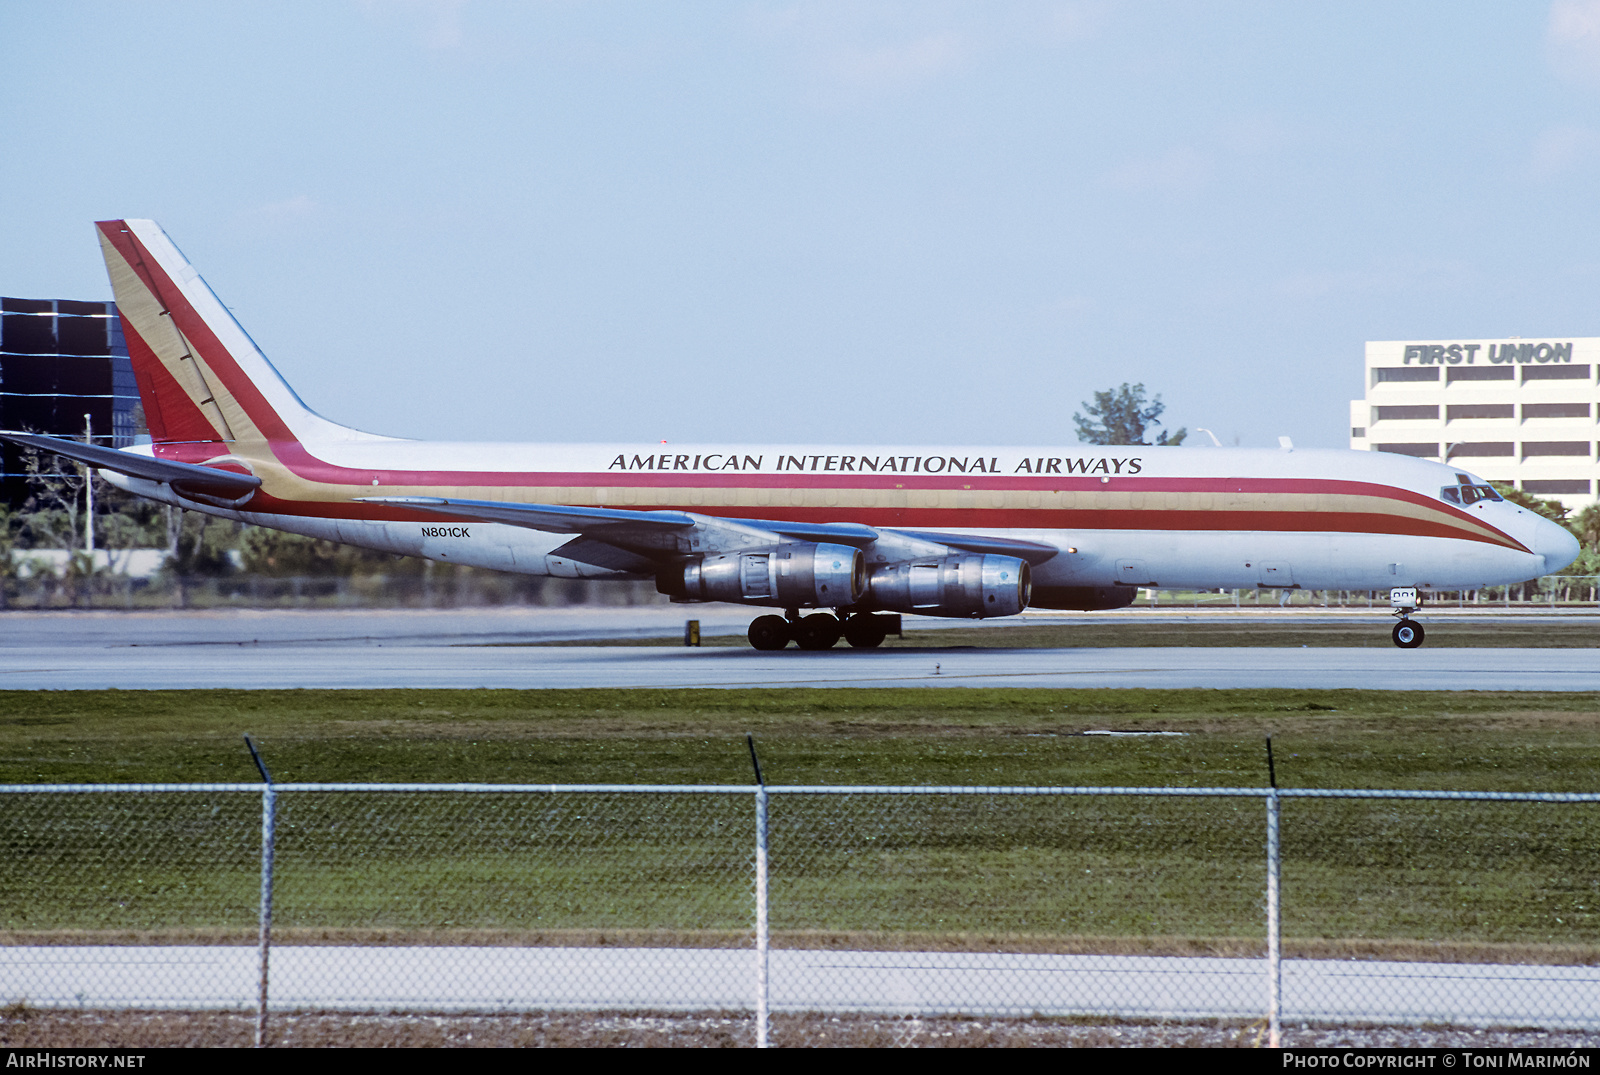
{"x": 1556, "y": 544}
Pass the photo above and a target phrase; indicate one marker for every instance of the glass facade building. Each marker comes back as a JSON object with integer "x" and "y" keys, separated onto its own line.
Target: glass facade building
{"x": 1523, "y": 411}
{"x": 62, "y": 360}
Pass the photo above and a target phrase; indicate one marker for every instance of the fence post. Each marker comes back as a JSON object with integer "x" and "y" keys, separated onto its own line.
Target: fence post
{"x": 269, "y": 811}
{"x": 761, "y": 895}
{"x": 1274, "y": 920}
{"x": 761, "y": 917}
{"x": 1274, "y": 929}
{"x": 269, "y": 805}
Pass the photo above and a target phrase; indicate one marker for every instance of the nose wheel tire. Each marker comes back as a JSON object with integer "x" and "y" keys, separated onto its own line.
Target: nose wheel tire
{"x": 1408, "y": 634}
{"x": 820, "y": 631}
{"x": 769, "y": 633}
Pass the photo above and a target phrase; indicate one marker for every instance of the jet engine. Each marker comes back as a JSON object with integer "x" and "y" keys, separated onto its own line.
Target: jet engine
{"x": 967, "y": 584}
{"x": 798, "y": 575}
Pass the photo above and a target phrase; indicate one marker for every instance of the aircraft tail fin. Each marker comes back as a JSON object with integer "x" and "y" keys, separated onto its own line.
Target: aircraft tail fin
{"x": 201, "y": 377}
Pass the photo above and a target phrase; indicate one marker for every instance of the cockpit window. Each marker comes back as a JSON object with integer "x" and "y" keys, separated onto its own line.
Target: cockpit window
{"x": 1468, "y": 494}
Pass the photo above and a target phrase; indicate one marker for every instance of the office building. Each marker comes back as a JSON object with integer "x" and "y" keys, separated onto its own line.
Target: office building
{"x": 1521, "y": 411}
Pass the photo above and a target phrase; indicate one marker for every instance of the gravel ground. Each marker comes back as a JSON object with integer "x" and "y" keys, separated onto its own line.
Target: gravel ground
{"x": 36, "y": 1028}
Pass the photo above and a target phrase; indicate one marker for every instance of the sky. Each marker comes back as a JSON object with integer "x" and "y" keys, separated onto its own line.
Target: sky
{"x": 836, "y": 222}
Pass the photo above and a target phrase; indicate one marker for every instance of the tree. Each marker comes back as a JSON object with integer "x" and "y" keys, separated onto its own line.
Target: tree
{"x": 1122, "y": 416}
{"x": 1586, "y": 525}
{"x": 1553, "y": 510}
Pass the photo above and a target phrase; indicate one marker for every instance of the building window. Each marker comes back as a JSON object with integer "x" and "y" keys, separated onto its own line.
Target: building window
{"x": 1429, "y": 413}
{"x": 1555, "y": 410}
{"x": 1422, "y": 451}
{"x": 1480, "y": 410}
{"x": 1555, "y": 447}
{"x": 1358, "y": 432}
{"x": 1555, "y": 373}
{"x": 1405, "y": 373}
{"x": 1561, "y": 485}
{"x": 61, "y": 360}
{"x": 1479, "y": 373}
{"x": 1484, "y": 448}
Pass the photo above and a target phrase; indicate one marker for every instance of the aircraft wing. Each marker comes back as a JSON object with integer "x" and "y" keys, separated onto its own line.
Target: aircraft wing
{"x": 615, "y": 538}
{"x": 555, "y": 518}
{"x": 186, "y": 478}
{"x": 646, "y": 529}
{"x": 1034, "y": 552}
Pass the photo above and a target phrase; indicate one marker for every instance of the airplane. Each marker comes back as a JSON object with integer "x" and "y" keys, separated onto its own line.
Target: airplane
{"x": 842, "y": 540}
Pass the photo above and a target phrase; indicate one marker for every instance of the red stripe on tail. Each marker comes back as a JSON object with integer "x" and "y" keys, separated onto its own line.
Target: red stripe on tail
{"x": 168, "y": 411}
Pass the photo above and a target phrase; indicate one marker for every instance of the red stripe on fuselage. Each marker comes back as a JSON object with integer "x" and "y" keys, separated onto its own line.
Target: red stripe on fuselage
{"x": 1449, "y": 518}
{"x": 990, "y": 520}
{"x": 319, "y": 471}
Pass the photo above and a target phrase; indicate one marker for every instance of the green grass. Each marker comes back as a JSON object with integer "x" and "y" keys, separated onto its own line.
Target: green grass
{"x": 1467, "y": 739}
{"x": 1094, "y": 873}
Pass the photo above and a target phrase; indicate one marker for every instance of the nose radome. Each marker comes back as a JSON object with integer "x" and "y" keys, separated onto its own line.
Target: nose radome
{"x": 1556, "y": 544}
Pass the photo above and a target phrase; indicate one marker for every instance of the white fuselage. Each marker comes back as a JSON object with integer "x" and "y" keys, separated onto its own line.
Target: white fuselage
{"x": 1134, "y": 516}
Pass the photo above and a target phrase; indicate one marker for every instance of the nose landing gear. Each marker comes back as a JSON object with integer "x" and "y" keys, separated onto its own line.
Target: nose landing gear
{"x": 1408, "y": 633}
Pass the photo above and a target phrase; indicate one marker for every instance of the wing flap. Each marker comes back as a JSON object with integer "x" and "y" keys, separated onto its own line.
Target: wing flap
{"x": 554, "y": 518}
{"x": 587, "y": 550}
{"x": 1034, "y": 552}
{"x": 858, "y": 534}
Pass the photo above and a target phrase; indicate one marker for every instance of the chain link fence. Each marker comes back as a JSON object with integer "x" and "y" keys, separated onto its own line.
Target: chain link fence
{"x": 778, "y": 912}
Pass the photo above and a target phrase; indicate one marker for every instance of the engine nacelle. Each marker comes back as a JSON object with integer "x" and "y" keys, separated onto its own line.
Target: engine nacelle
{"x": 967, "y": 584}
{"x": 798, "y": 575}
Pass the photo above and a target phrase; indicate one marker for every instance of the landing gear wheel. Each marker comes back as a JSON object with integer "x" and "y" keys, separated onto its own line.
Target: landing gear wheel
{"x": 818, "y": 632}
{"x": 865, "y": 632}
{"x": 1408, "y": 634}
{"x": 769, "y": 632}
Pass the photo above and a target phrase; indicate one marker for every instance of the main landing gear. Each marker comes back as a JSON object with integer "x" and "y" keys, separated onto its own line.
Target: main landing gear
{"x": 819, "y": 631}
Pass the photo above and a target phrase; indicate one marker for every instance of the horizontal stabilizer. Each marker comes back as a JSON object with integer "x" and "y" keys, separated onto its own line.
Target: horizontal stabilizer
{"x": 555, "y": 518}
{"x": 186, "y": 478}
